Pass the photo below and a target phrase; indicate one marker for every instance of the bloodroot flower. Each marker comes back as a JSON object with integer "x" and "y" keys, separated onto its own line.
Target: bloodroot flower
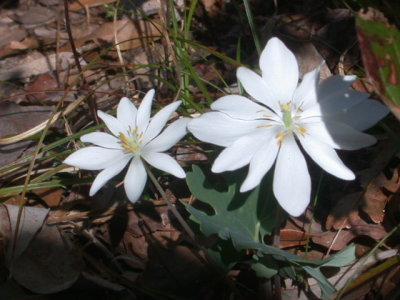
{"x": 282, "y": 114}
{"x": 136, "y": 138}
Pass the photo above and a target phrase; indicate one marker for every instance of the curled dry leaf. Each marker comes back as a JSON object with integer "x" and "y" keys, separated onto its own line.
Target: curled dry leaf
{"x": 35, "y": 16}
{"x": 16, "y": 45}
{"x": 41, "y": 261}
{"x": 11, "y": 33}
{"x": 32, "y": 219}
{"x": 33, "y": 64}
{"x": 373, "y": 202}
{"x": 15, "y": 119}
{"x": 48, "y": 265}
{"x": 333, "y": 240}
{"x": 138, "y": 8}
{"x": 82, "y": 4}
{"x": 130, "y": 34}
{"x": 42, "y": 88}
{"x": 345, "y": 216}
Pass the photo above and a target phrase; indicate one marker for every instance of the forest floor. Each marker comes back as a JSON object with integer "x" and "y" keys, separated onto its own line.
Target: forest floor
{"x": 56, "y": 72}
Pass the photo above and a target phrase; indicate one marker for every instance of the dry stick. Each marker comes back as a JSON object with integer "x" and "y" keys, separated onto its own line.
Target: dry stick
{"x": 71, "y": 41}
{"x": 128, "y": 87}
{"x": 91, "y": 102}
{"x": 171, "y": 205}
{"x": 188, "y": 230}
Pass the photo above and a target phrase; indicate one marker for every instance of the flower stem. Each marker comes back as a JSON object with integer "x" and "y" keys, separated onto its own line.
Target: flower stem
{"x": 276, "y": 243}
{"x": 276, "y": 239}
{"x": 206, "y": 257}
{"x": 175, "y": 212}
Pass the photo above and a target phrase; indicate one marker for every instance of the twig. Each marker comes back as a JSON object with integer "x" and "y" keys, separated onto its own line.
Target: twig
{"x": 71, "y": 41}
{"x": 171, "y": 205}
{"x": 128, "y": 87}
{"x": 91, "y": 103}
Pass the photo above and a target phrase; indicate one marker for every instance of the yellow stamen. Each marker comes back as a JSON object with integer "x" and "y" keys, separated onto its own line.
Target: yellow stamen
{"x": 130, "y": 144}
{"x": 302, "y": 130}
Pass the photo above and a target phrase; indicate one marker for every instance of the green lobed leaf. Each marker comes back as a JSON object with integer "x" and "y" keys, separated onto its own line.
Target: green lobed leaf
{"x": 342, "y": 258}
{"x": 326, "y": 287}
{"x": 263, "y": 271}
{"x": 243, "y": 217}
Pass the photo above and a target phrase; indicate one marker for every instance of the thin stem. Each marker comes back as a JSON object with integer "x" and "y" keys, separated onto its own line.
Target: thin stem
{"x": 277, "y": 236}
{"x": 276, "y": 243}
{"x": 175, "y": 212}
{"x": 361, "y": 263}
{"x": 72, "y": 43}
{"x": 91, "y": 103}
{"x": 206, "y": 256}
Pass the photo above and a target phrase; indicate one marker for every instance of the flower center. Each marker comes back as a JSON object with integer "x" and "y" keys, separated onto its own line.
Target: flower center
{"x": 132, "y": 142}
{"x": 287, "y": 116}
{"x": 290, "y": 125}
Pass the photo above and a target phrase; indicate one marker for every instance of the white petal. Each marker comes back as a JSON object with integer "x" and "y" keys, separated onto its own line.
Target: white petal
{"x": 94, "y": 158}
{"x": 102, "y": 139}
{"x": 334, "y": 97}
{"x": 337, "y": 134}
{"x": 261, "y": 162}
{"x": 341, "y": 102}
{"x": 164, "y": 163}
{"x": 158, "y": 122}
{"x": 335, "y": 84}
{"x": 240, "y": 107}
{"x": 107, "y": 174}
{"x": 363, "y": 115}
{"x": 326, "y": 157}
{"x": 113, "y": 124}
{"x": 220, "y": 129}
{"x": 240, "y": 152}
{"x": 144, "y": 111}
{"x": 257, "y": 88}
{"x": 169, "y": 137}
{"x": 279, "y": 69}
{"x": 305, "y": 95}
{"x": 126, "y": 113}
{"x": 135, "y": 180}
{"x": 292, "y": 183}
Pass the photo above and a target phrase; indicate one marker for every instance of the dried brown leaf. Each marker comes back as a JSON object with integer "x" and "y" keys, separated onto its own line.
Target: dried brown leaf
{"x": 48, "y": 265}
{"x": 9, "y": 34}
{"x": 16, "y": 119}
{"x": 33, "y": 64}
{"x": 51, "y": 196}
{"x": 35, "y": 16}
{"x": 130, "y": 34}
{"x": 31, "y": 222}
{"x": 81, "y": 4}
{"x": 40, "y": 89}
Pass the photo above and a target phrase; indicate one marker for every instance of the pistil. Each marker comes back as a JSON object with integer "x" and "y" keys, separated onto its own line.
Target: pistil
{"x": 131, "y": 143}
{"x": 287, "y": 116}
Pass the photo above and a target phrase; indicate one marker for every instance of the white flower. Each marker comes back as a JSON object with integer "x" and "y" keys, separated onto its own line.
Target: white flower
{"x": 320, "y": 117}
{"x": 133, "y": 137}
